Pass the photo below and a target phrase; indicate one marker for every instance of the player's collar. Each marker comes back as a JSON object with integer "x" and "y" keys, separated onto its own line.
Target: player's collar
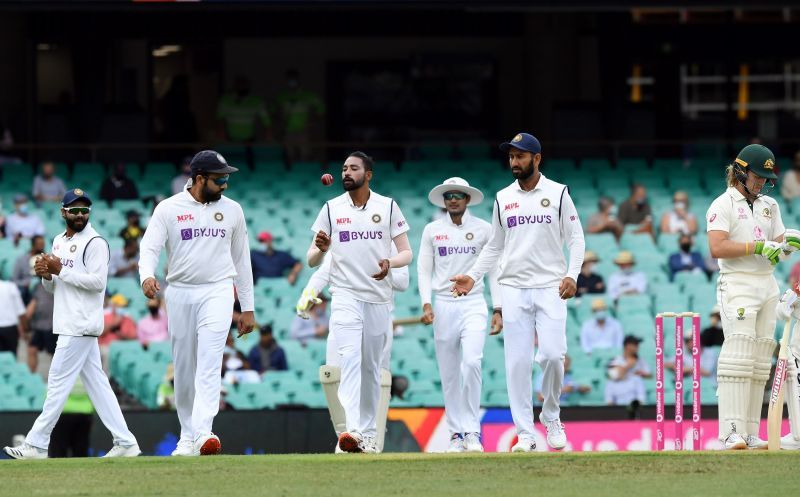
{"x": 539, "y": 184}
{"x": 354, "y": 206}
{"x": 464, "y": 219}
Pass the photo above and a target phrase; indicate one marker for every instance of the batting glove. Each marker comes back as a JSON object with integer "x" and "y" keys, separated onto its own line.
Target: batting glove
{"x": 307, "y": 300}
{"x": 787, "y": 306}
{"x": 791, "y": 240}
{"x": 769, "y": 250}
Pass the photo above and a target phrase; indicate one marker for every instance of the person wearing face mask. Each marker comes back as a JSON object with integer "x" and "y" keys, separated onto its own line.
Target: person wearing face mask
{"x": 588, "y": 280}
{"x": 686, "y": 259}
{"x": 626, "y": 281}
{"x": 637, "y": 211}
{"x": 679, "y": 219}
{"x": 118, "y": 186}
{"x": 153, "y": 327}
{"x": 240, "y": 114}
{"x": 296, "y": 106}
{"x": 601, "y": 331}
{"x": 712, "y": 336}
{"x": 23, "y": 223}
{"x": 790, "y": 183}
{"x": 605, "y": 219}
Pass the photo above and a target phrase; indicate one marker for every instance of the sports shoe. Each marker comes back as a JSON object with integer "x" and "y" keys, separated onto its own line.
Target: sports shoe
{"x": 755, "y": 443}
{"x": 524, "y": 444}
{"x": 735, "y": 442}
{"x": 351, "y": 442}
{"x": 25, "y": 451}
{"x": 208, "y": 445}
{"x": 185, "y": 448}
{"x": 456, "y": 444}
{"x": 556, "y": 437}
{"x": 788, "y": 442}
{"x": 472, "y": 442}
{"x": 369, "y": 445}
{"x": 123, "y": 451}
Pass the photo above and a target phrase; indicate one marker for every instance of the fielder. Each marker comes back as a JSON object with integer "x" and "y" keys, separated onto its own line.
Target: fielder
{"x": 358, "y": 229}
{"x": 330, "y": 373}
{"x": 207, "y": 254}
{"x": 785, "y": 312}
{"x": 533, "y": 218}
{"x": 451, "y": 246}
{"x": 746, "y": 234}
{"x": 76, "y": 273}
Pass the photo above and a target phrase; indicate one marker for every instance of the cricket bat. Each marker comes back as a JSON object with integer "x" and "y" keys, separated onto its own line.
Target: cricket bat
{"x": 407, "y": 321}
{"x": 775, "y": 413}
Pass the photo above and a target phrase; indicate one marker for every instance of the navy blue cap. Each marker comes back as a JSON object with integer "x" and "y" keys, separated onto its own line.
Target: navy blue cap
{"x": 210, "y": 161}
{"x": 73, "y": 196}
{"x": 523, "y": 141}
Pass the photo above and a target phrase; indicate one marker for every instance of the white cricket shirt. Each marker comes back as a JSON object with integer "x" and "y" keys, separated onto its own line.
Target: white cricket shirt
{"x": 360, "y": 238}
{"x": 11, "y": 305}
{"x": 206, "y": 244}
{"x": 529, "y": 230}
{"x": 322, "y": 276}
{"x": 447, "y": 249}
{"x": 78, "y": 290}
{"x": 730, "y": 213}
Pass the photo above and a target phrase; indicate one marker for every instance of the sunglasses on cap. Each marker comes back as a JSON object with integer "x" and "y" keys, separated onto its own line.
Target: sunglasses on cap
{"x": 219, "y": 181}
{"x": 455, "y": 195}
{"x": 78, "y": 210}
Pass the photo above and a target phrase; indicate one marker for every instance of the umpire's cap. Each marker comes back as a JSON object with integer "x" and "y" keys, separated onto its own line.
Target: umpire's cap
{"x": 525, "y": 142}
{"x": 209, "y": 161}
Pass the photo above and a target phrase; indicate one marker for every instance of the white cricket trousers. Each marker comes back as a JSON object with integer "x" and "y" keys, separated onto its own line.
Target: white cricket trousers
{"x": 530, "y": 314}
{"x": 360, "y": 332}
{"x": 459, "y": 332}
{"x": 199, "y": 323}
{"x": 78, "y": 356}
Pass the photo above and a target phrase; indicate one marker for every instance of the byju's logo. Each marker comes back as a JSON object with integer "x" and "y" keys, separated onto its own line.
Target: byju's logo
{"x": 186, "y": 234}
{"x": 189, "y": 233}
{"x": 512, "y": 221}
{"x": 442, "y": 251}
{"x": 445, "y": 251}
{"x": 348, "y": 236}
{"x": 520, "y": 220}
{"x": 344, "y": 236}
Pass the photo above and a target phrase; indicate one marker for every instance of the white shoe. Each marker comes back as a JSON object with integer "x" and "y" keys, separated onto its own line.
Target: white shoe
{"x": 369, "y": 445}
{"x": 456, "y": 444}
{"x": 185, "y": 448}
{"x": 351, "y": 442}
{"x": 524, "y": 445}
{"x": 25, "y": 451}
{"x": 556, "y": 436}
{"x": 122, "y": 451}
{"x": 208, "y": 445}
{"x": 735, "y": 442}
{"x": 788, "y": 442}
{"x": 755, "y": 443}
{"x": 472, "y": 442}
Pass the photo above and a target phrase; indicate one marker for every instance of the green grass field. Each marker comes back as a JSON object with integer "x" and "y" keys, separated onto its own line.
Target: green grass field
{"x": 491, "y": 475}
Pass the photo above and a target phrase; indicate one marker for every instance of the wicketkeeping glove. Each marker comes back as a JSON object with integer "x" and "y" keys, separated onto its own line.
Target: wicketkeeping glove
{"x": 307, "y": 300}
{"x": 769, "y": 250}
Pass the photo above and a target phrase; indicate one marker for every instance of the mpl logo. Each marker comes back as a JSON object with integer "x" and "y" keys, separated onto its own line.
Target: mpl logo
{"x": 185, "y": 217}
{"x": 342, "y": 220}
{"x": 440, "y": 238}
{"x": 513, "y": 205}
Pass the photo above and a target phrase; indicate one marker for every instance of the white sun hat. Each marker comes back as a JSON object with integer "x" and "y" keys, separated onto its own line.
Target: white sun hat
{"x": 454, "y": 184}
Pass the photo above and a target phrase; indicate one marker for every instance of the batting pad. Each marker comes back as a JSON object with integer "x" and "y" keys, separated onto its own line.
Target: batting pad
{"x": 793, "y": 395}
{"x": 764, "y": 349}
{"x": 329, "y": 377}
{"x": 734, "y": 372}
{"x": 383, "y": 408}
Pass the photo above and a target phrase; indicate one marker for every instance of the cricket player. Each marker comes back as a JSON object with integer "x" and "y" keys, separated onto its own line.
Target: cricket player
{"x": 451, "y": 246}
{"x": 76, "y": 274}
{"x": 358, "y": 229}
{"x": 330, "y": 373}
{"x": 746, "y": 234}
{"x": 533, "y": 218}
{"x": 788, "y": 308}
{"x": 207, "y": 254}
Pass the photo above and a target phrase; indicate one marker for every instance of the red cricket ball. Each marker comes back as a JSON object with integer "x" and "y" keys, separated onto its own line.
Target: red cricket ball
{"x": 326, "y": 179}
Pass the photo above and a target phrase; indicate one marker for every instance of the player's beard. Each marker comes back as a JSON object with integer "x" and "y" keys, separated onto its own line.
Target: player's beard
{"x": 74, "y": 226}
{"x": 353, "y": 185}
{"x": 208, "y": 195}
{"x": 525, "y": 172}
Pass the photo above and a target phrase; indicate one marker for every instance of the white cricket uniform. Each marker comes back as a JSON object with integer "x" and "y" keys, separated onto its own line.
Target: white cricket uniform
{"x": 459, "y": 325}
{"x": 360, "y": 305}
{"x": 207, "y": 254}
{"x": 747, "y": 294}
{"x": 78, "y": 320}
{"x": 529, "y": 230}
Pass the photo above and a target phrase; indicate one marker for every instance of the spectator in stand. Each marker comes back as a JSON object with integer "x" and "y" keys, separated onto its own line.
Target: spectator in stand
{"x": 179, "y": 181}
{"x": 23, "y": 223}
{"x": 679, "y": 219}
{"x": 236, "y": 368}
{"x": 23, "y": 272}
{"x": 273, "y": 263}
{"x": 39, "y": 316}
{"x": 601, "y": 331}
{"x": 712, "y": 336}
{"x": 125, "y": 261}
{"x": 267, "y": 355}
{"x": 626, "y": 281}
{"x": 708, "y": 362}
{"x": 153, "y": 328}
{"x": 240, "y": 114}
{"x": 133, "y": 230}
{"x": 118, "y": 186}
{"x": 625, "y": 375}
{"x": 588, "y": 280}
{"x": 637, "y": 211}
{"x": 117, "y": 325}
{"x": 12, "y": 317}
{"x": 165, "y": 398}
{"x": 47, "y": 187}
{"x": 568, "y": 388}
{"x": 686, "y": 259}
{"x": 790, "y": 183}
{"x": 314, "y": 328}
{"x": 605, "y": 219}
{"x": 296, "y": 109}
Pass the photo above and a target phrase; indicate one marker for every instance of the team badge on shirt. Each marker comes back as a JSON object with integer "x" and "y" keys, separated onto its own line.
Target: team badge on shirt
{"x": 73, "y": 248}
{"x": 470, "y": 236}
{"x": 758, "y": 234}
{"x": 218, "y": 216}
{"x": 766, "y": 212}
{"x": 545, "y": 202}
{"x": 376, "y": 218}
{"x": 740, "y": 314}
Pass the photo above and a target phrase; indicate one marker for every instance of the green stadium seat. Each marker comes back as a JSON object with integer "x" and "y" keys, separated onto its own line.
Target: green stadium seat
{"x": 15, "y": 404}
{"x": 7, "y": 358}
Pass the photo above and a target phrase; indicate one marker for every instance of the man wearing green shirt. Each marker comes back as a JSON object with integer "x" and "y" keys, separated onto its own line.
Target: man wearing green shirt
{"x": 240, "y": 114}
{"x": 295, "y": 106}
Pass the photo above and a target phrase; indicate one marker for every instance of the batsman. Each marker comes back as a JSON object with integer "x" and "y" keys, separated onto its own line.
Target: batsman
{"x": 747, "y": 235}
